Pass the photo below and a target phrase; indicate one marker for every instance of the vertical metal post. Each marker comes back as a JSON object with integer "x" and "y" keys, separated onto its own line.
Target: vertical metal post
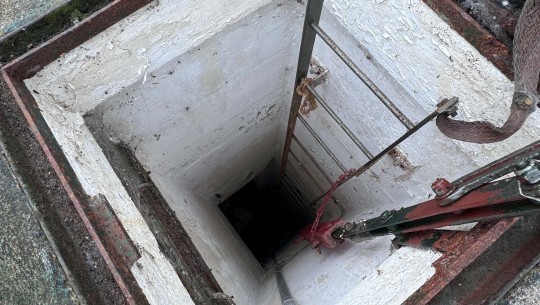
{"x": 313, "y": 15}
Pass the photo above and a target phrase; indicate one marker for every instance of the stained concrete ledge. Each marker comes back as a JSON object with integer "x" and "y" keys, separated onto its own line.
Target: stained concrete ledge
{"x": 29, "y": 269}
{"x": 526, "y": 291}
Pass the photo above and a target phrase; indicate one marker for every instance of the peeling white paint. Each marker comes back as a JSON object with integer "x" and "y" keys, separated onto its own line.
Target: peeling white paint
{"x": 394, "y": 280}
{"x": 438, "y": 63}
{"x": 86, "y": 76}
{"x": 86, "y": 158}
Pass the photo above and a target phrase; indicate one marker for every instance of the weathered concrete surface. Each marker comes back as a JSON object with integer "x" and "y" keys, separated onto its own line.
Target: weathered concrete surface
{"x": 526, "y": 291}
{"x": 17, "y": 13}
{"x": 30, "y": 271}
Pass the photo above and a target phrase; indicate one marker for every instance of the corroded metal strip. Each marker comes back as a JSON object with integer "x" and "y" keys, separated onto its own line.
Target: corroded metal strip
{"x": 66, "y": 183}
{"x": 35, "y": 60}
{"x": 460, "y": 254}
{"x": 478, "y": 272}
{"x": 313, "y": 14}
{"x": 112, "y": 233}
{"x": 495, "y": 51}
{"x": 30, "y": 36}
{"x": 28, "y": 65}
{"x": 438, "y": 240}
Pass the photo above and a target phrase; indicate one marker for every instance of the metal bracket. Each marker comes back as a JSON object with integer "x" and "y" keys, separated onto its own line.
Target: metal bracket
{"x": 529, "y": 180}
{"x": 318, "y": 72}
{"x": 516, "y": 161}
{"x": 531, "y": 192}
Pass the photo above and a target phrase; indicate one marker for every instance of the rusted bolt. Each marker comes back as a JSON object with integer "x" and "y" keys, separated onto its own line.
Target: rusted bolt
{"x": 441, "y": 187}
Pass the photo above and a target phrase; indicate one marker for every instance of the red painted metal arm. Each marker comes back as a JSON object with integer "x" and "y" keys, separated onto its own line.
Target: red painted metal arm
{"x": 500, "y": 199}
{"x": 472, "y": 198}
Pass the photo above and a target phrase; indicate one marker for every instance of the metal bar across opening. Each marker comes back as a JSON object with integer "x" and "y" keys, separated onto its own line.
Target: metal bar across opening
{"x": 324, "y": 146}
{"x": 343, "y": 126}
{"x": 313, "y": 14}
{"x": 441, "y": 107}
{"x": 363, "y": 77}
{"x": 304, "y": 149}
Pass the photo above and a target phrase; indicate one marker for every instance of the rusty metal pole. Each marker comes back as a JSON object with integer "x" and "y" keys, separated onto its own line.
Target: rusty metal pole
{"x": 313, "y": 15}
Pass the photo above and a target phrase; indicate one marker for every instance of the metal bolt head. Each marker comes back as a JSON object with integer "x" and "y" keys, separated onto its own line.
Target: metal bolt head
{"x": 386, "y": 215}
{"x": 529, "y": 174}
{"x": 524, "y": 100}
{"x": 441, "y": 187}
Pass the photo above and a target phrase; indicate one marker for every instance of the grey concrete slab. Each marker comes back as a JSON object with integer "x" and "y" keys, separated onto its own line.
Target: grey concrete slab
{"x": 526, "y": 291}
{"x": 30, "y": 273}
{"x": 17, "y": 13}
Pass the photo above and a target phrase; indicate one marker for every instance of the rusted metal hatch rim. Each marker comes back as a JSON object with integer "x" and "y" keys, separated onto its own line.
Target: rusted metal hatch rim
{"x": 111, "y": 240}
{"x": 27, "y": 66}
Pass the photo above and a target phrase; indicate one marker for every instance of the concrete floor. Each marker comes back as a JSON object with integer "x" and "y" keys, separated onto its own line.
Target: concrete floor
{"x": 29, "y": 269}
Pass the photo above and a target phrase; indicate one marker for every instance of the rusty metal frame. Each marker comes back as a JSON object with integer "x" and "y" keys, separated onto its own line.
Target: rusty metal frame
{"x": 468, "y": 253}
{"x": 103, "y": 227}
{"x": 464, "y": 252}
{"x": 28, "y": 65}
{"x": 495, "y": 51}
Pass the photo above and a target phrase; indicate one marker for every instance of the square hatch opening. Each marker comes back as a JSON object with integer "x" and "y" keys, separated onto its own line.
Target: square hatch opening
{"x": 204, "y": 116}
{"x": 202, "y": 109}
{"x": 266, "y": 219}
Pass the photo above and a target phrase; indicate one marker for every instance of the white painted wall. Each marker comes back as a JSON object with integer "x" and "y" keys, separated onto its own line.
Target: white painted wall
{"x": 122, "y": 57}
{"x": 417, "y": 60}
{"x": 205, "y": 104}
{"x": 209, "y": 120}
{"x": 232, "y": 264}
